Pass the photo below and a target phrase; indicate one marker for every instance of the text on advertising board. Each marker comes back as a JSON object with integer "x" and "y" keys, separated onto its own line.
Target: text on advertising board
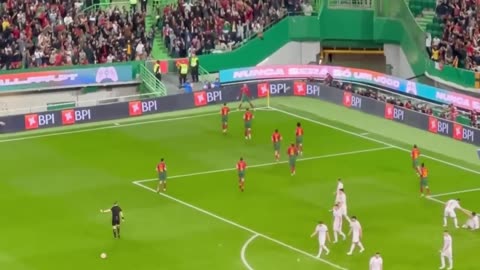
{"x": 203, "y": 98}
{"x": 37, "y": 120}
{"x": 354, "y": 75}
{"x": 303, "y": 89}
{"x": 392, "y": 112}
{"x": 137, "y": 108}
{"x": 72, "y": 116}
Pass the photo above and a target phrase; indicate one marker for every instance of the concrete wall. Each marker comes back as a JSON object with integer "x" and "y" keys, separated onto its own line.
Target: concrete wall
{"x": 36, "y": 102}
{"x": 294, "y": 53}
{"x": 397, "y": 59}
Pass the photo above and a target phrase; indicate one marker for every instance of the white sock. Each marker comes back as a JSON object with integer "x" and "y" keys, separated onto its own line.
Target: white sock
{"x": 352, "y": 248}
{"x": 335, "y": 236}
{"x": 361, "y": 246}
{"x": 342, "y": 234}
{"x": 442, "y": 260}
{"x": 444, "y": 221}
{"x": 320, "y": 251}
{"x": 455, "y": 221}
{"x": 450, "y": 262}
{"x": 326, "y": 249}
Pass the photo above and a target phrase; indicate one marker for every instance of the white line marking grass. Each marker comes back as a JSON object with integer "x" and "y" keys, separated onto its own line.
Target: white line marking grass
{"x": 455, "y": 192}
{"x": 115, "y": 125}
{"x": 240, "y": 226}
{"x": 244, "y": 251}
{"x": 364, "y": 133}
{"x": 375, "y": 140}
{"x": 273, "y": 163}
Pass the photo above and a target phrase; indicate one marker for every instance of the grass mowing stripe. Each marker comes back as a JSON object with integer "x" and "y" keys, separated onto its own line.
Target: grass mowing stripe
{"x": 244, "y": 250}
{"x": 273, "y": 163}
{"x": 240, "y": 226}
{"x": 114, "y": 125}
{"x": 375, "y": 140}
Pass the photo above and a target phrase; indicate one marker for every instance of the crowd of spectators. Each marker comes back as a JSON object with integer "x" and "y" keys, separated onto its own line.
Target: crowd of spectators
{"x": 459, "y": 44}
{"x": 39, "y": 33}
{"x": 215, "y": 26}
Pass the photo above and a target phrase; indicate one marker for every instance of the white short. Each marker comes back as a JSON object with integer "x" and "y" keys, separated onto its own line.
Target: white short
{"x": 343, "y": 209}
{"x": 321, "y": 241}
{"x": 337, "y": 226}
{"x": 355, "y": 238}
{"x": 471, "y": 224}
{"x": 447, "y": 253}
{"x": 450, "y": 213}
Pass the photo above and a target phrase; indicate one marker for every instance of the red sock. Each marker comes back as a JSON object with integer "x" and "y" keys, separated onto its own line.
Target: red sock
{"x": 292, "y": 169}
{"x": 164, "y": 185}
{"x": 428, "y": 191}
{"x": 246, "y": 133}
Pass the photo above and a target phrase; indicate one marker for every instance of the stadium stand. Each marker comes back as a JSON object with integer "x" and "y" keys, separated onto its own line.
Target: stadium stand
{"x": 453, "y": 34}
{"x": 208, "y": 26}
{"x": 63, "y": 32}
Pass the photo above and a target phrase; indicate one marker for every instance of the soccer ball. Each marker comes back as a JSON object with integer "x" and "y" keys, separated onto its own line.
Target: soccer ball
{"x": 103, "y": 255}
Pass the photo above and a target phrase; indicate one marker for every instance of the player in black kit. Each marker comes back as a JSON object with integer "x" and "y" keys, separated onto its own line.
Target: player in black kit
{"x": 117, "y": 214}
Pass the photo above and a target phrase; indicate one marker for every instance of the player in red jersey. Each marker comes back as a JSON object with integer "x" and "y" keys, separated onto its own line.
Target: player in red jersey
{"x": 424, "y": 188}
{"x": 245, "y": 96}
{"x": 162, "y": 175}
{"x": 224, "y": 112}
{"x": 415, "y": 155}
{"x": 276, "y": 139}
{"x": 241, "y": 167}
{"x": 299, "y": 138}
{"x": 247, "y": 117}
{"x": 292, "y": 153}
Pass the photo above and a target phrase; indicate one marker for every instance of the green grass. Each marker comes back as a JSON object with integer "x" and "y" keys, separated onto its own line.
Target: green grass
{"x": 53, "y": 187}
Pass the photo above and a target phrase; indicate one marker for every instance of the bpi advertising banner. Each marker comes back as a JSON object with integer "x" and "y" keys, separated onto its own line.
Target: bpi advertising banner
{"x": 352, "y": 75}
{"x": 65, "y": 78}
{"x": 231, "y": 93}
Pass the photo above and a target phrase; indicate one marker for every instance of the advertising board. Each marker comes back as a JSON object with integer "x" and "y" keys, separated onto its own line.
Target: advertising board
{"x": 230, "y": 93}
{"x": 66, "y": 78}
{"x": 353, "y": 75}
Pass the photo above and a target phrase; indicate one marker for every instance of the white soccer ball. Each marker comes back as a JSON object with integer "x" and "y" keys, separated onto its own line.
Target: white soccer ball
{"x": 103, "y": 255}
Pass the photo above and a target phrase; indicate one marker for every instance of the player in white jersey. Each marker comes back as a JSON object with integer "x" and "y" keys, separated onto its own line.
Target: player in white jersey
{"x": 339, "y": 184}
{"x": 356, "y": 232}
{"x": 376, "y": 262}
{"x": 322, "y": 231}
{"x": 337, "y": 223}
{"x": 446, "y": 251}
{"x": 449, "y": 211}
{"x": 473, "y": 223}
{"x": 341, "y": 200}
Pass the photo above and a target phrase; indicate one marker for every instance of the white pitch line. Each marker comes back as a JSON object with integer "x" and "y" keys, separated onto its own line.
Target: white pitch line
{"x": 273, "y": 163}
{"x": 434, "y": 200}
{"x": 364, "y": 134}
{"x": 115, "y": 125}
{"x": 244, "y": 250}
{"x": 455, "y": 192}
{"x": 240, "y": 226}
{"x": 375, "y": 140}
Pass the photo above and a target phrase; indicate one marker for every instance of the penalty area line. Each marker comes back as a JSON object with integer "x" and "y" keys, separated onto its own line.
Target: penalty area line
{"x": 191, "y": 206}
{"x": 374, "y": 140}
{"x": 455, "y": 192}
{"x": 244, "y": 250}
{"x": 274, "y": 163}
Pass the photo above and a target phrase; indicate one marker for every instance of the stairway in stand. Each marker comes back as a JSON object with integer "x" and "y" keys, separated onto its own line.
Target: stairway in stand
{"x": 159, "y": 50}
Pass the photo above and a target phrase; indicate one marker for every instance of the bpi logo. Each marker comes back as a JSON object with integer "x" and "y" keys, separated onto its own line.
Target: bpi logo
{"x": 463, "y": 133}
{"x": 304, "y": 89}
{"x": 136, "y": 108}
{"x": 437, "y": 126}
{"x": 70, "y": 117}
{"x": 350, "y": 100}
{"x": 34, "y": 121}
{"x": 203, "y": 98}
{"x": 392, "y": 112}
{"x": 264, "y": 89}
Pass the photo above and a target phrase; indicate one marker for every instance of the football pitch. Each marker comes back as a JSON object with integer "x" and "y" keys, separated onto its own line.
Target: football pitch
{"x": 54, "y": 183}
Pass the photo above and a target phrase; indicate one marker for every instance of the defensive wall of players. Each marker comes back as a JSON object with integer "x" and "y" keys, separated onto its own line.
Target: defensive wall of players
{"x": 229, "y": 93}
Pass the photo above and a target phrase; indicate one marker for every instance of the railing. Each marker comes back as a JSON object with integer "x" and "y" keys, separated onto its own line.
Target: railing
{"x": 151, "y": 84}
{"x": 4, "y": 111}
{"x": 355, "y": 4}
